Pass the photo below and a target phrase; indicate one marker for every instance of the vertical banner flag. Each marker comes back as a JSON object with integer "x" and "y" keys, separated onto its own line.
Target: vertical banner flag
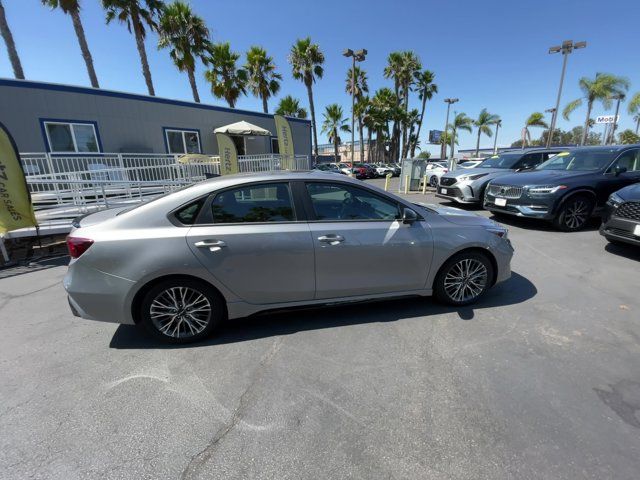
{"x": 228, "y": 154}
{"x": 285, "y": 142}
{"x": 16, "y": 210}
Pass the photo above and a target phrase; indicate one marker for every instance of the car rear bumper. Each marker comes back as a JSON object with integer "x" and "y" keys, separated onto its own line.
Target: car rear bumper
{"x": 96, "y": 295}
{"x": 620, "y": 229}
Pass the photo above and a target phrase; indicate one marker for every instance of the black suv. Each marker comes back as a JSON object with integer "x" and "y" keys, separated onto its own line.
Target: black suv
{"x": 621, "y": 220}
{"x": 569, "y": 187}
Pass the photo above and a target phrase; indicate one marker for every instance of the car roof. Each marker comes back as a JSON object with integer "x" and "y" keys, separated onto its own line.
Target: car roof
{"x": 603, "y": 148}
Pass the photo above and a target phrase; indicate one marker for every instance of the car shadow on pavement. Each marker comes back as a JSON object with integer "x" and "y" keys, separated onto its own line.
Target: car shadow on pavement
{"x": 623, "y": 250}
{"x": 541, "y": 225}
{"x": 516, "y": 290}
{"x": 33, "y": 265}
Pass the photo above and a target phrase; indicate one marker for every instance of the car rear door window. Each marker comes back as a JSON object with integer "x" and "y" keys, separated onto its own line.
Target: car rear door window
{"x": 266, "y": 202}
{"x": 335, "y": 202}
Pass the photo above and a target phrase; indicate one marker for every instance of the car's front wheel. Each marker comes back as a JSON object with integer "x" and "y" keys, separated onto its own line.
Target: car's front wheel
{"x": 433, "y": 181}
{"x": 464, "y": 278}
{"x": 574, "y": 213}
{"x": 181, "y": 310}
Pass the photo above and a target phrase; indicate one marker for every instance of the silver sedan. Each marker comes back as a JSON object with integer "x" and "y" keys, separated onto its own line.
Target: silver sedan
{"x": 237, "y": 245}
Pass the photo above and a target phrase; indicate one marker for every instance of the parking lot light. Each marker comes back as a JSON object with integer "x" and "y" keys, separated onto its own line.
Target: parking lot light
{"x": 566, "y": 48}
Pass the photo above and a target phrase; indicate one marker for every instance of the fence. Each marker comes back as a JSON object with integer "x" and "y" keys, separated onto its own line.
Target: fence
{"x": 65, "y": 186}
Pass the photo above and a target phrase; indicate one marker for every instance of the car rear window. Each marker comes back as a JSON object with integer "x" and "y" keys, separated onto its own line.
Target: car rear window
{"x": 266, "y": 202}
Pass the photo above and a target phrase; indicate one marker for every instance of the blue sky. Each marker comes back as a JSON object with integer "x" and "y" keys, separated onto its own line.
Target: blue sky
{"x": 489, "y": 54}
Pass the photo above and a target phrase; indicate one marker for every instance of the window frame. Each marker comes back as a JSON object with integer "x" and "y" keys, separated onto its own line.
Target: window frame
{"x": 612, "y": 165}
{"x": 311, "y": 214}
{"x": 182, "y": 131}
{"x": 205, "y": 217}
{"x": 44, "y": 122}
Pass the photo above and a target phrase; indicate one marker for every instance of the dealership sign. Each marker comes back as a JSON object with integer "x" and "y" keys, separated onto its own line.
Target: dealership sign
{"x": 435, "y": 136}
{"x": 607, "y": 119}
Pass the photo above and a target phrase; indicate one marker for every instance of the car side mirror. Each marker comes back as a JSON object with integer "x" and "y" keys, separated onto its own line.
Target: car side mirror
{"x": 409, "y": 216}
{"x": 619, "y": 169}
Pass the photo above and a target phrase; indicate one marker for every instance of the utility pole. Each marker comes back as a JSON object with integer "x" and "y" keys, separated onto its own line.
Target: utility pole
{"x": 566, "y": 48}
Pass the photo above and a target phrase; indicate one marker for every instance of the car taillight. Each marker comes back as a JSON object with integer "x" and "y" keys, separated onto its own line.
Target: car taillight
{"x": 77, "y": 246}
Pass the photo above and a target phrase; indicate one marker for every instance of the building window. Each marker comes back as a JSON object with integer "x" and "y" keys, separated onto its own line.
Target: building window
{"x": 182, "y": 141}
{"x": 275, "y": 146}
{"x": 71, "y": 137}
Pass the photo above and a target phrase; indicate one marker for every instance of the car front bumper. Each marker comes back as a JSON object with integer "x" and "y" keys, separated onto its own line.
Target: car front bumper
{"x": 620, "y": 229}
{"x": 525, "y": 206}
{"x": 457, "y": 193}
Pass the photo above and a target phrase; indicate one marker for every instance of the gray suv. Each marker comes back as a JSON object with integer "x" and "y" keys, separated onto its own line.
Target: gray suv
{"x": 468, "y": 185}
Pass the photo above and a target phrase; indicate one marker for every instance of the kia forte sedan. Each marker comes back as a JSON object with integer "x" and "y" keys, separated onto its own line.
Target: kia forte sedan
{"x": 236, "y": 245}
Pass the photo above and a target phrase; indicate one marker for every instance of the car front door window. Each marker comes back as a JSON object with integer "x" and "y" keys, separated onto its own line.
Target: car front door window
{"x": 335, "y": 202}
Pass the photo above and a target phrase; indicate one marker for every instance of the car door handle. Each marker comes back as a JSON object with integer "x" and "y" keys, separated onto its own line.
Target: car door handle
{"x": 331, "y": 239}
{"x": 212, "y": 245}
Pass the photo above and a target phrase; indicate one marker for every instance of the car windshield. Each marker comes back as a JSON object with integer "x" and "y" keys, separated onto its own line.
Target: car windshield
{"x": 580, "y": 160}
{"x": 504, "y": 160}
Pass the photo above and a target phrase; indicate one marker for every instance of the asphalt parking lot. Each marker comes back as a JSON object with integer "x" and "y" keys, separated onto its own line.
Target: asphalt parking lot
{"x": 541, "y": 380}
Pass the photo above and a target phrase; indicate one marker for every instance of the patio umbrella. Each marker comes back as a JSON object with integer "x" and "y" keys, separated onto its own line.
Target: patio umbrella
{"x": 242, "y": 128}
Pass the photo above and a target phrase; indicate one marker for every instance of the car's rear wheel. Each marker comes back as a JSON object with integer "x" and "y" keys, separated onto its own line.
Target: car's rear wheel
{"x": 433, "y": 181}
{"x": 574, "y": 213}
{"x": 464, "y": 278}
{"x": 182, "y": 310}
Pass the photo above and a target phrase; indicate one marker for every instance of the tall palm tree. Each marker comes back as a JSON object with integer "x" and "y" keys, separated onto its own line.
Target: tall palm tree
{"x": 290, "y": 107}
{"x": 227, "y": 80}
{"x": 483, "y": 123}
{"x": 187, "y": 36}
{"x": 11, "y": 46}
{"x": 306, "y": 61}
{"x": 411, "y": 67}
{"x": 361, "y": 109}
{"x": 263, "y": 80}
{"x": 137, "y": 14}
{"x": 600, "y": 88}
{"x": 72, "y": 8}
{"x": 460, "y": 122}
{"x": 334, "y": 123}
{"x": 634, "y": 108}
{"x": 357, "y": 86}
{"x": 536, "y": 119}
{"x": 426, "y": 90}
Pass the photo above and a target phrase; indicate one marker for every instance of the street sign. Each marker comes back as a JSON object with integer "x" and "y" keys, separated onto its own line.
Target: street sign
{"x": 435, "y": 136}
{"x": 600, "y": 119}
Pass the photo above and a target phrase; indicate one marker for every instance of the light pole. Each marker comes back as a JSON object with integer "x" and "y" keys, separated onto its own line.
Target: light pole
{"x": 448, "y": 101}
{"x": 357, "y": 56}
{"x": 566, "y": 48}
{"x": 495, "y": 140}
{"x": 619, "y": 97}
{"x": 552, "y": 111}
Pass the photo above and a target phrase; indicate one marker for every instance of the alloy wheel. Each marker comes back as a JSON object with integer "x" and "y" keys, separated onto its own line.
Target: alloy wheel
{"x": 576, "y": 214}
{"x": 433, "y": 181}
{"x": 466, "y": 280}
{"x": 180, "y": 312}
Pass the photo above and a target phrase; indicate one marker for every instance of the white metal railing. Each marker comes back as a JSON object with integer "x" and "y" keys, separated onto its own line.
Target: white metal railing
{"x": 65, "y": 186}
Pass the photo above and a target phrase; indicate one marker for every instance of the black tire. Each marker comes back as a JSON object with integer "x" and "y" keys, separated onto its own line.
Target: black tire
{"x": 442, "y": 285}
{"x": 574, "y": 213}
{"x": 433, "y": 181}
{"x": 196, "y": 323}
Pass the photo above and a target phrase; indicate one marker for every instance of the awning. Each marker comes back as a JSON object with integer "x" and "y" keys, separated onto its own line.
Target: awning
{"x": 242, "y": 128}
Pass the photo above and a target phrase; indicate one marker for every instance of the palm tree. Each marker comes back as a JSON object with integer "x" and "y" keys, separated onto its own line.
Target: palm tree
{"x": 306, "y": 61}
{"x": 334, "y": 122}
{"x": 360, "y": 110}
{"x": 411, "y": 66}
{"x": 536, "y": 119}
{"x": 72, "y": 8}
{"x": 356, "y": 86}
{"x": 460, "y": 122}
{"x": 634, "y": 107}
{"x": 290, "y": 107}
{"x": 484, "y": 122}
{"x": 136, "y": 14}
{"x": 187, "y": 36}
{"x": 426, "y": 89}
{"x": 11, "y": 46}
{"x": 227, "y": 81}
{"x": 601, "y": 88}
{"x": 263, "y": 80}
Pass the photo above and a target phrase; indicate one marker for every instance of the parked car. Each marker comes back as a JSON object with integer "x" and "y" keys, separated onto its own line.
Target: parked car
{"x": 345, "y": 168}
{"x": 568, "y": 188}
{"x": 433, "y": 172}
{"x": 383, "y": 170}
{"x": 328, "y": 167}
{"x": 240, "y": 244}
{"x": 464, "y": 186}
{"x": 363, "y": 170}
{"x": 621, "y": 219}
{"x": 397, "y": 169}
